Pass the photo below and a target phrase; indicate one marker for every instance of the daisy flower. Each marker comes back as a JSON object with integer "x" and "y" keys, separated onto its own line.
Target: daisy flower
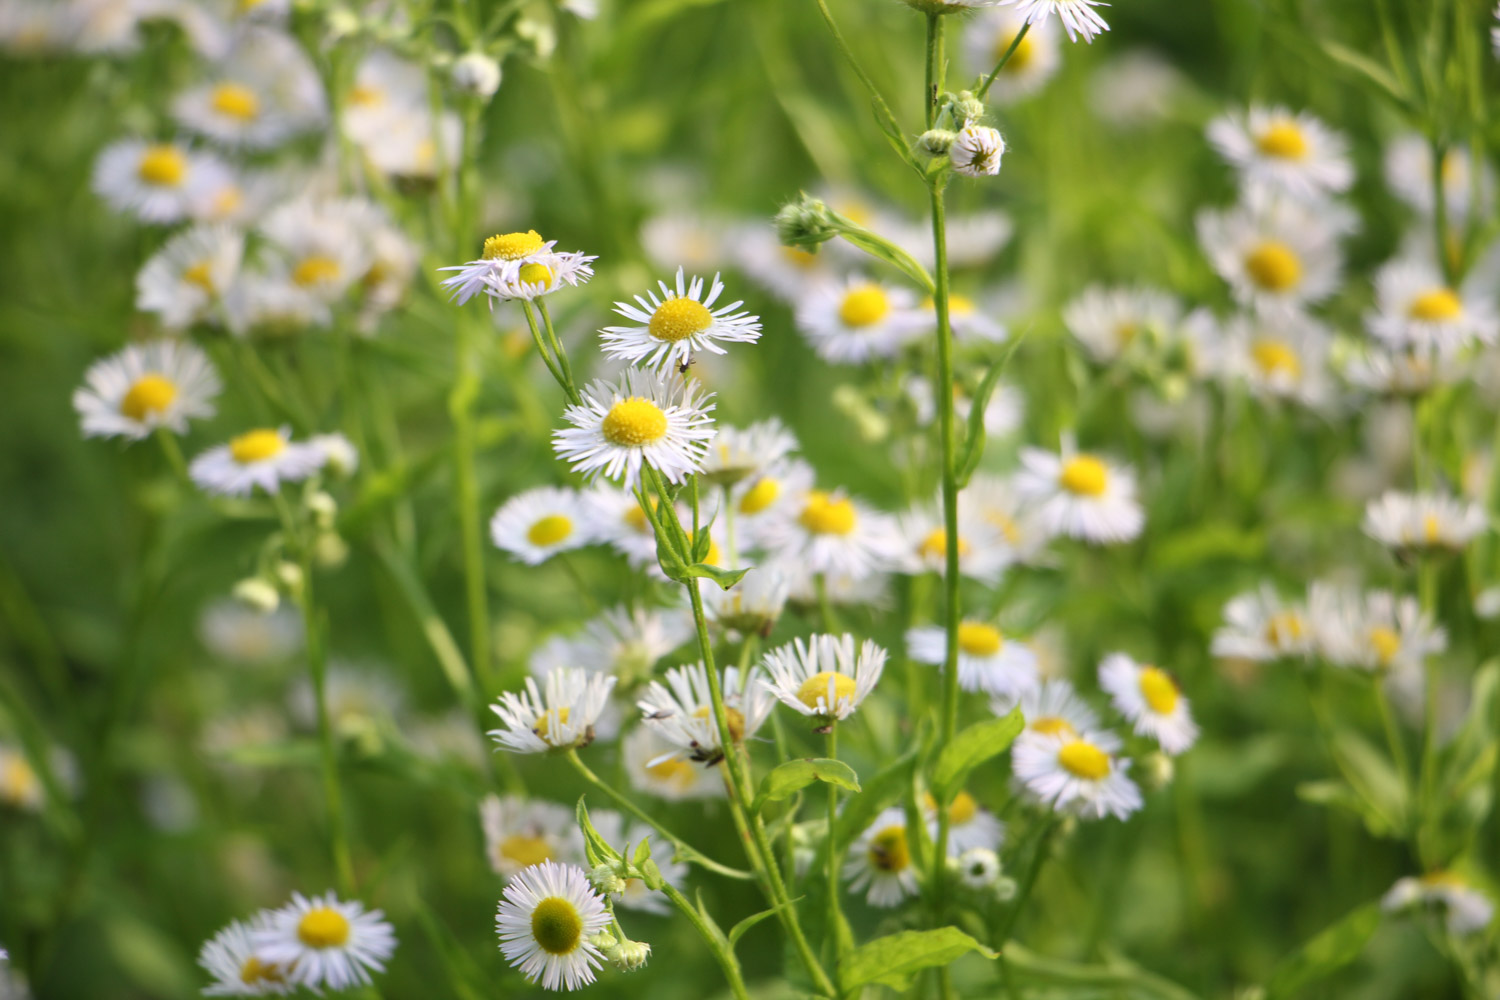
{"x": 1276, "y": 255}
{"x": 823, "y": 677}
{"x": 831, "y": 534}
{"x": 618, "y": 519}
{"x": 1050, "y": 709}
{"x": 681, "y": 710}
{"x": 1108, "y": 322}
{"x": 264, "y": 457}
{"x": 1259, "y": 625}
{"x": 628, "y": 642}
{"x": 770, "y": 495}
{"x": 1080, "y": 495}
{"x": 230, "y": 958}
{"x": 323, "y": 942}
{"x": 133, "y": 392}
{"x": 265, "y": 92}
{"x": 996, "y": 500}
{"x": 1408, "y": 372}
{"x": 1281, "y": 356}
{"x": 1468, "y": 911}
{"x": 563, "y": 719}
{"x": 990, "y": 35}
{"x": 1077, "y": 16}
{"x": 988, "y": 662}
{"x": 880, "y": 862}
{"x": 545, "y": 921}
{"x": 536, "y": 525}
{"x": 519, "y": 833}
{"x": 982, "y": 552}
{"x": 273, "y": 305}
{"x": 669, "y": 330}
{"x": 321, "y": 245}
{"x": 738, "y": 454}
{"x": 858, "y": 320}
{"x": 1377, "y": 631}
{"x": 155, "y": 181}
{"x": 976, "y": 151}
{"x": 644, "y": 418}
{"x": 1289, "y": 151}
{"x": 1408, "y": 172}
{"x": 1417, "y": 522}
{"x": 511, "y": 260}
{"x": 655, "y": 767}
{"x": 970, "y": 825}
{"x": 536, "y": 278}
{"x": 1416, "y": 307}
{"x": 1076, "y": 774}
{"x": 1150, "y": 698}
{"x": 385, "y": 88}
{"x": 184, "y": 280}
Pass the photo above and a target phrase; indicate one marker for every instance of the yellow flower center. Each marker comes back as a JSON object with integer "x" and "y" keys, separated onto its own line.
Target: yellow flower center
{"x": 533, "y": 273}
{"x": 256, "y": 446}
{"x": 200, "y": 274}
{"x": 679, "y": 318}
{"x": 1442, "y": 879}
{"x": 550, "y": 530}
{"x": 672, "y": 771}
{"x": 760, "y": 496}
{"x": 255, "y": 972}
{"x": 935, "y": 545}
{"x": 1387, "y": 643}
{"x": 1285, "y": 629}
{"x": 1085, "y": 475}
{"x": 962, "y": 809}
{"x": 556, "y": 925}
{"x": 1436, "y": 306}
{"x": 163, "y": 166}
{"x": 365, "y": 96}
{"x": 1432, "y": 529}
{"x": 150, "y": 396}
{"x": 816, "y": 687}
{"x": 799, "y": 258}
{"x": 864, "y": 305}
{"x": 1007, "y": 525}
{"x": 316, "y": 269}
{"x": 513, "y": 246}
{"x": 1275, "y": 357}
{"x": 544, "y": 722}
{"x": 323, "y": 928}
{"x": 525, "y": 851}
{"x": 1052, "y": 725}
{"x": 635, "y": 517}
{"x": 18, "y": 782}
{"x": 1159, "y": 690}
{"x": 1284, "y": 140}
{"x": 236, "y": 101}
{"x": 1021, "y": 58}
{"x": 634, "y": 422}
{"x": 827, "y": 515}
{"x": 733, "y": 716}
{"x": 1125, "y": 333}
{"x": 979, "y": 639}
{"x": 1084, "y": 760}
{"x": 1274, "y": 266}
{"x": 888, "y": 851}
{"x": 227, "y": 202}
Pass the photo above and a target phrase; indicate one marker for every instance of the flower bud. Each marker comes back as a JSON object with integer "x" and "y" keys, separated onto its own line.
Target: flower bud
{"x": 1005, "y": 889}
{"x": 476, "y": 74}
{"x": 628, "y": 956}
{"x": 290, "y": 576}
{"x": 606, "y": 880}
{"x": 935, "y": 141}
{"x": 976, "y": 151}
{"x": 323, "y": 508}
{"x": 1156, "y": 771}
{"x": 604, "y": 941}
{"x": 258, "y": 594}
{"x": 805, "y": 223}
{"x": 330, "y": 550}
{"x": 967, "y": 108}
{"x": 539, "y": 37}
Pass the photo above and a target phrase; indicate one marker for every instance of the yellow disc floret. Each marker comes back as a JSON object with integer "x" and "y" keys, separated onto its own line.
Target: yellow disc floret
{"x": 979, "y": 639}
{"x": 824, "y": 514}
{"x": 864, "y": 305}
{"x": 162, "y": 166}
{"x": 1274, "y": 266}
{"x": 201, "y": 275}
{"x": 679, "y": 318}
{"x": 1283, "y": 140}
{"x": 760, "y": 496}
{"x": 1084, "y": 760}
{"x": 1021, "y": 56}
{"x": 323, "y": 928}
{"x": 150, "y": 396}
{"x": 1436, "y": 306}
{"x": 962, "y": 809}
{"x": 733, "y": 716}
{"x": 236, "y": 101}
{"x": 316, "y": 269}
{"x": 513, "y": 246}
{"x": 256, "y": 446}
{"x": 543, "y": 724}
{"x": 550, "y": 530}
{"x": 1159, "y": 690}
{"x": 815, "y": 688}
{"x": 888, "y": 850}
{"x": 634, "y": 422}
{"x": 254, "y": 972}
{"x": 1276, "y": 357}
{"x": 556, "y": 925}
{"x": 1386, "y": 642}
{"x": 525, "y": 851}
{"x": 1084, "y": 475}
{"x": 1052, "y": 725}
{"x": 935, "y": 545}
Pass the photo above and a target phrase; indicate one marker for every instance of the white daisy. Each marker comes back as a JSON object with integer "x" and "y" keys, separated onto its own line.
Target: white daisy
{"x": 561, "y": 720}
{"x": 858, "y": 320}
{"x": 264, "y": 457}
{"x": 502, "y": 269}
{"x": 1468, "y": 911}
{"x": 385, "y": 88}
{"x": 976, "y": 151}
{"x": 832, "y": 534}
{"x": 1050, "y": 709}
{"x": 536, "y": 525}
{"x": 322, "y": 245}
{"x": 545, "y": 921}
{"x": 617, "y": 518}
{"x": 1376, "y": 631}
{"x": 990, "y": 35}
{"x": 823, "y": 677}
{"x": 683, "y": 321}
{"x": 273, "y": 305}
{"x": 1416, "y": 522}
{"x": 995, "y": 499}
{"x": 324, "y": 942}
{"x": 519, "y": 833}
{"x": 535, "y": 278}
{"x": 1416, "y": 307}
{"x": 1151, "y": 699}
{"x": 264, "y": 92}
{"x": 880, "y": 862}
{"x": 1077, "y": 16}
{"x": 1109, "y": 322}
{"x": 155, "y": 181}
{"x": 646, "y": 418}
{"x": 741, "y": 453}
{"x": 412, "y": 145}
{"x": 681, "y": 711}
{"x": 185, "y": 280}
{"x": 769, "y": 496}
{"x": 1277, "y": 255}
{"x": 1076, "y": 774}
{"x": 988, "y": 662}
{"x": 1080, "y": 495}
{"x": 970, "y": 825}
{"x": 1408, "y": 372}
{"x": 982, "y": 551}
{"x": 655, "y": 767}
{"x": 234, "y": 632}
{"x": 1408, "y": 171}
{"x": 628, "y": 642}
{"x": 130, "y": 394}
{"x": 1259, "y": 625}
{"x": 1279, "y": 355}
{"x": 1285, "y": 150}
{"x": 229, "y": 956}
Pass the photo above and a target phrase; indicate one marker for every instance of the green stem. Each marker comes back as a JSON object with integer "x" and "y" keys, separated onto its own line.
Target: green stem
{"x": 1393, "y": 734}
{"x": 711, "y": 937}
{"x": 546, "y": 353}
{"x": 557, "y": 350}
{"x": 461, "y": 405}
{"x": 834, "y": 912}
{"x": 173, "y": 451}
{"x": 1015, "y": 43}
{"x": 882, "y": 109}
{"x": 1028, "y": 881}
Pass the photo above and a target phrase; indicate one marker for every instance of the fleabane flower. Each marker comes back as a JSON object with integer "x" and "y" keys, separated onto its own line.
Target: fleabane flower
{"x": 320, "y": 245}
{"x": 668, "y": 330}
{"x": 1412, "y": 523}
{"x": 324, "y": 942}
{"x": 1076, "y": 774}
{"x": 1108, "y": 322}
{"x": 681, "y": 710}
{"x": 1151, "y": 700}
{"x": 831, "y": 533}
{"x": 545, "y": 921}
{"x": 982, "y": 551}
{"x": 1278, "y": 355}
{"x": 1408, "y": 172}
{"x": 1081, "y": 495}
{"x": 657, "y": 767}
{"x": 1405, "y": 372}
{"x": 1377, "y": 631}
{"x": 751, "y": 606}
{"x": 646, "y": 418}
{"x": 161, "y": 384}
{"x": 536, "y": 525}
{"x": 265, "y": 91}
{"x": 970, "y": 825}
{"x": 229, "y": 957}
{"x": 560, "y": 716}
{"x": 1289, "y": 151}
{"x": 976, "y": 151}
{"x": 1415, "y": 306}
{"x": 880, "y": 862}
{"x": 739, "y": 453}
{"x": 1466, "y": 910}
{"x": 537, "y": 278}
{"x": 858, "y": 320}
{"x": 186, "y": 279}
{"x": 1078, "y": 17}
{"x": 519, "y": 833}
{"x": 1277, "y": 255}
{"x": 1050, "y": 709}
{"x": 628, "y": 642}
{"x": 158, "y": 182}
{"x": 1260, "y": 625}
{"x": 824, "y": 677}
{"x": 264, "y": 457}
{"x": 499, "y": 270}
{"x": 988, "y": 662}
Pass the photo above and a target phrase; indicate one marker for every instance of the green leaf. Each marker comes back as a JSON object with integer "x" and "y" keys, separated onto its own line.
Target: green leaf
{"x": 879, "y": 792}
{"x": 973, "y": 747}
{"x": 725, "y": 578}
{"x": 1374, "y": 778}
{"x": 1368, "y": 68}
{"x": 894, "y": 959}
{"x": 1325, "y": 954}
{"x": 795, "y": 775}
{"x": 595, "y": 846}
{"x": 738, "y": 930}
{"x": 973, "y": 448}
{"x": 642, "y": 852}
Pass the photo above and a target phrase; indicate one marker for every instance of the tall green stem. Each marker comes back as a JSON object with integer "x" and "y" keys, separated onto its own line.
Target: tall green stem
{"x": 461, "y": 404}
{"x": 834, "y": 913}
{"x": 727, "y": 961}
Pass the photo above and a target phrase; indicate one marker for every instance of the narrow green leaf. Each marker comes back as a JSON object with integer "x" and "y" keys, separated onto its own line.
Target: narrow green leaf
{"x": 725, "y": 578}
{"x": 738, "y": 930}
{"x": 894, "y": 959}
{"x": 642, "y": 852}
{"x": 795, "y": 775}
{"x": 973, "y": 747}
{"x": 1325, "y": 954}
{"x": 1366, "y": 67}
{"x": 595, "y": 846}
{"x": 973, "y": 447}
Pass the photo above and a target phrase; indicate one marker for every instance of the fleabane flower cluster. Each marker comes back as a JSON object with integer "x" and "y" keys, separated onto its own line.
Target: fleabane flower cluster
{"x": 315, "y": 943}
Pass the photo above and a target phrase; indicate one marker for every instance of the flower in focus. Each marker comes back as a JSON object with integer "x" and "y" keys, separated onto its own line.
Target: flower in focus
{"x": 988, "y": 662}
{"x": 976, "y": 151}
{"x": 1151, "y": 700}
{"x": 880, "y": 862}
{"x": 160, "y": 384}
{"x": 561, "y": 719}
{"x": 1077, "y": 16}
{"x": 325, "y": 943}
{"x": 646, "y": 418}
{"x": 512, "y": 260}
{"x": 1076, "y": 774}
{"x": 682, "y": 322}
{"x": 264, "y": 457}
{"x": 823, "y": 677}
{"x": 545, "y": 921}
{"x": 519, "y": 833}
{"x": 1080, "y": 495}
{"x": 1288, "y": 151}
